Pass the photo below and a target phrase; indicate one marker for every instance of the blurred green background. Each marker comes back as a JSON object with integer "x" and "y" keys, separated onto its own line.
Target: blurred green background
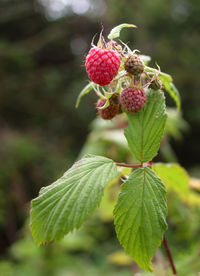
{"x": 43, "y": 44}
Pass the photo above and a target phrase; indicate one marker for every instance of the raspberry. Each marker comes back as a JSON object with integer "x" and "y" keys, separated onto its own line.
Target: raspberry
{"x": 102, "y": 65}
{"x": 132, "y": 99}
{"x": 109, "y": 112}
{"x": 134, "y": 65}
{"x": 156, "y": 84}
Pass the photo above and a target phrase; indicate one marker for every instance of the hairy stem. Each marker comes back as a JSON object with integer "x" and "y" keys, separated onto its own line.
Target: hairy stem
{"x": 128, "y": 165}
{"x": 169, "y": 255}
{"x": 148, "y": 164}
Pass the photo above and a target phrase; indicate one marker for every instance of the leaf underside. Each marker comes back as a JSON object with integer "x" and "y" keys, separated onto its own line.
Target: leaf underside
{"x": 67, "y": 203}
{"x": 146, "y": 127}
{"x": 140, "y": 215}
{"x": 88, "y": 88}
{"x": 174, "y": 93}
{"x": 115, "y": 32}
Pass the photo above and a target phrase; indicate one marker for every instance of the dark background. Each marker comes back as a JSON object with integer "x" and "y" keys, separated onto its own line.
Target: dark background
{"x": 42, "y": 49}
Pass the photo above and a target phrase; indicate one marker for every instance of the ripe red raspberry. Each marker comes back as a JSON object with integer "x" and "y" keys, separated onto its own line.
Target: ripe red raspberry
{"x": 109, "y": 112}
{"x": 132, "y": 99}
{"x": 102, "y": 65}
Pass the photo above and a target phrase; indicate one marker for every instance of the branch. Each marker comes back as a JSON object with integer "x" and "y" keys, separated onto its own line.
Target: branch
{"x": 169, "y": 255}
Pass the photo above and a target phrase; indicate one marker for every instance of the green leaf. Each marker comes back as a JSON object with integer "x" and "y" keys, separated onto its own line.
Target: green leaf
{"x": 172, "y": 90}
{"x": 145, "y": 128}
{"x": 174, "y": 176}
{"x": 140, "y": 215}
{"x": 67, "y": 203}
{"x": 89, "y": 87}
{"x": 115, "y": 32}
{"x": 177, "y": 179}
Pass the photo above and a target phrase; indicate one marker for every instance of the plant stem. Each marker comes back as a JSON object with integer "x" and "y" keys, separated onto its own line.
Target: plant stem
{"x": 148, "y": 164}
{"x": 128, "y": 165}
{"x": 169, "y": 255}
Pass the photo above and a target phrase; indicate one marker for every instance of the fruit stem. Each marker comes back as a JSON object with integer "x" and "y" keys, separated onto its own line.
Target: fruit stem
{"x": 99, "y": 94}
{"x": 169, "y": 255}
{"x": 123, "y": 75}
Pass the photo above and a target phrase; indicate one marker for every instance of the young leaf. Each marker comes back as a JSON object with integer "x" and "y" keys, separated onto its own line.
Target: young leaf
{"x": 67, "y": 203}
{"x": 115, "y": 32}
{"x": 89, "y": 87}
{"x": 145, "y": 128}
{"x": 140, "y": 215}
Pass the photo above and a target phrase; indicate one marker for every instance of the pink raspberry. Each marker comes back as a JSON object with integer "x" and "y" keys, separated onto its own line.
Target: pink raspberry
{"x": 132, "y": 99}
{"x": 102, "y": 65}
{"x": 109, "y": 112}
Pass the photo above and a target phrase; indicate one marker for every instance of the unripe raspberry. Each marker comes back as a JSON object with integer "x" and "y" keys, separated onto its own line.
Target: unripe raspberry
{"x": 134, "y": 65}
{"x": 102, "y": 65}
{"x": 109, "y": 112}
{"x": 132, "y": 99}
{"x": 156, "y": 84}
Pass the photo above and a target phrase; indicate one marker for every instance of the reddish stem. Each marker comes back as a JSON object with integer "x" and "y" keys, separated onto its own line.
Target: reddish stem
{"x": 128, "y": 165}
{"x": 169, "y": 255}
{"x": 148, "y": 164}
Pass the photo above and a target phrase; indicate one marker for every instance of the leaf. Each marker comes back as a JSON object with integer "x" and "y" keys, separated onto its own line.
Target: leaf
{"x": 174, "y": 176}
{"x": 146, "y": 127}
{"x": 172, "y": 90}
{"x": 140, "y": 215}
{"x": 67, "y": 203}
{"x": 177, "y": 179}
{"x": 89, "y": 87}
{"x": 115, "y": 32}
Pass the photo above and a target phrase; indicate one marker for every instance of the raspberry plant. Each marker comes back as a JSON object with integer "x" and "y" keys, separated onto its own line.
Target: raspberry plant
{"x": 124, "y": 83}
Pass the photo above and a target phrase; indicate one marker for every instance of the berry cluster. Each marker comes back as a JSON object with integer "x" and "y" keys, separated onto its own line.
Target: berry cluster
{"x": 125, "y": 91}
